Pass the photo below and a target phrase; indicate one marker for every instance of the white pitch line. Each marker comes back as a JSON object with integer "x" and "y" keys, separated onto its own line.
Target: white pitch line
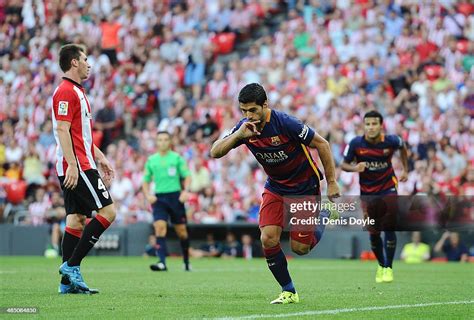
{"x": 337, "y": 311}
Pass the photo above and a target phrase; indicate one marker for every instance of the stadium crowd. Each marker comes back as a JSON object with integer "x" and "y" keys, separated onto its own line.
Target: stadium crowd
{"x": 177, "y": 66}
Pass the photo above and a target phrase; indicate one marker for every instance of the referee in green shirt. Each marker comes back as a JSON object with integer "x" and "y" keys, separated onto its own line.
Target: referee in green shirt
{"x": 167, "y": 169}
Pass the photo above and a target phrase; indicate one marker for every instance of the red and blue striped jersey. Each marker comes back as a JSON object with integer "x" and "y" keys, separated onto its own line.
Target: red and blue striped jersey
{"x": 379, "y": 176}
{"x": 282, "y": 150}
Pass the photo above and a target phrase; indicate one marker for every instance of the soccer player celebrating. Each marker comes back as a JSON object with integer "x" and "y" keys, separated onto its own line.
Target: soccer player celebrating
{"x": 280, "y": 144}
{"x": 373, "y": 153}
{"x": 167, "y": 168}
{"x": 83, "y": 188}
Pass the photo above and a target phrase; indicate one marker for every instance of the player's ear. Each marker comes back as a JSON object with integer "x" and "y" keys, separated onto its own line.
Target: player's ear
{"x": 265, "y": 104}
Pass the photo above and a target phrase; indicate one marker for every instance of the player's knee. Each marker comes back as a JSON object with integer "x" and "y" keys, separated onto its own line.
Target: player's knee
{"x": 269, "y": 241}
{"x": 76, "y": 221}
{"x": 109, "y": 213}
{"x": 183, "y": 235}
{"x": 160, "y": 230}
{"x": 181, "y": 231}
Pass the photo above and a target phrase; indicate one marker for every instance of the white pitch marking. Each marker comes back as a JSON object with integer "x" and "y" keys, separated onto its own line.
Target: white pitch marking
{"x": 337, "y": 311}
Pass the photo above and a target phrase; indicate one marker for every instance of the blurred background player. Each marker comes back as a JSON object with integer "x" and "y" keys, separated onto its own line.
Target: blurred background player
{"x": 83, "y": 188}
{"x": 167, "y": 169}
{"x": 373, "y": 153}
{"x": 280, "y": 144}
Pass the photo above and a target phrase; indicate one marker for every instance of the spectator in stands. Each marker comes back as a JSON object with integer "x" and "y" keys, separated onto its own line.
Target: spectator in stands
{"x": 110, "y": 29}
{"x": 105, "y": 121}
{"x": 33, "y": 167}
{"x": 150, "y": 250}
{"x": 38, "y": 208}
{"x": 416, "y": 251}
{"x": 200, "y": 176}
{"x": 232, "y": 248}
{"x": 13, "y": 152}
{"x": 209, "y": 129}
{"x": 189, "y": 125}
{"x": 393, "y": 25}
{"x": 211, "y": 248}
{"x": 249, "y": 248}
{"x": 46, "y": 137}
{"x": 122, "y": 189}
{"x": 198, "y": 47}
{"x": 13, "y": 171}
{"x": 452, "y": 247}
{"x": 55, "y": 217}
{"x": 453, "y": 161}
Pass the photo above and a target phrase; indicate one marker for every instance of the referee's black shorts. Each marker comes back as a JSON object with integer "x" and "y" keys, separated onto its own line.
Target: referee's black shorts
{"x": 90, "y": 194}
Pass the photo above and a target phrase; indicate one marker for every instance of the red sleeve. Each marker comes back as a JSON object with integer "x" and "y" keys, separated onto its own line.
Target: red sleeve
{"x": 64, "y": 105}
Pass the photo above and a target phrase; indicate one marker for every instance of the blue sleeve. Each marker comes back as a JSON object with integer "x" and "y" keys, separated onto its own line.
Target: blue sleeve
{"x": 349, "y": 151}
{"x": 395, "y": 141}
{"x": 297, "y": 130}
{"x": 234, "y": 129}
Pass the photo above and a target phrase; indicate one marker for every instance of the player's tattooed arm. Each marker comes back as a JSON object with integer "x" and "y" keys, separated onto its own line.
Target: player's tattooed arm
{"x": 222, "y": 146}
{"x": 65, "y": 141}
{"x": 324, "y": 150}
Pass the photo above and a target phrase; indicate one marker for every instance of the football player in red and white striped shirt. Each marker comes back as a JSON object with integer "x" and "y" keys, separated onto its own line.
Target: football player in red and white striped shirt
{"x": 83, "y": 187}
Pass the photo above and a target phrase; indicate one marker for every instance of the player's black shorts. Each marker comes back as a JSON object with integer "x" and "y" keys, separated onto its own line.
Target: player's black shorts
{"x": 90, "y": 194}
{"x": 169, "y": 206}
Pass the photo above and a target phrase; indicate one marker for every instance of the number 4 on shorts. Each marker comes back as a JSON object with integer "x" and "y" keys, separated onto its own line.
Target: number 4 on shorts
{"x": 100, "y": 184}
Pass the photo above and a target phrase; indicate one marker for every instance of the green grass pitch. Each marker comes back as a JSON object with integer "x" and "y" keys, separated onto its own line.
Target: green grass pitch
{"x": 219, "y": 288}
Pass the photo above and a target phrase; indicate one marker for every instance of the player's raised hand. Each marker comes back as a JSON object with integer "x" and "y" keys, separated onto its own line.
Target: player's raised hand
{"x": 360, "y": 167}
{"x": 333, "y": 191}
{"x": 248, "y": 129}
{"x": 71, "y": 178}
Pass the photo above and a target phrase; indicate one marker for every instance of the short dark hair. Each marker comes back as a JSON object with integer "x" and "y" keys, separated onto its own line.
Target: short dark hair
{"x": 69, "y": 52}
{"x": 374, "y": 114}
{"x": 253, "y": 92}
{"x": 163, "y": 132}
